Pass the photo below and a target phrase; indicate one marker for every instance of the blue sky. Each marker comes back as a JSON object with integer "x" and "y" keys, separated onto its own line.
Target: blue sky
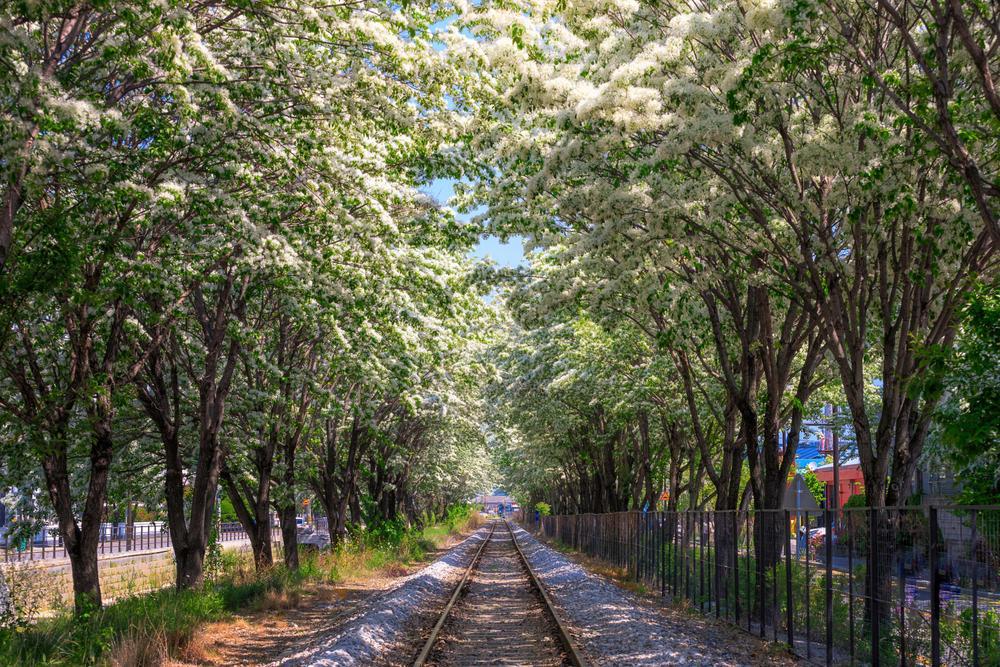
{"x": 507, "y": 254}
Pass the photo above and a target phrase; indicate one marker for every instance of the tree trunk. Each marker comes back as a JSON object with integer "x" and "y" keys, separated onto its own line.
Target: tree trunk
{"x": 289, "y": 535}
{"x": 264, "y": 554}
{"x": 213, "y": 389}
{"x": 253, "y": 513}
{"x": 649, "y": 495}
{"x": 286, "y": 517}
{"x": 81, "y": 540}
{"x": 349, "y": 492}
{"x": 86, "y": 579}
{"x": 190, "y": 562}
{"x": 190, "y": 537}
{"x": 355, "y": 502}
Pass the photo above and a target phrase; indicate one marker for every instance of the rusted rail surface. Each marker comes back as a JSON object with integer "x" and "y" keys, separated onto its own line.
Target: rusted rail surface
{"x": 499, "y": 613}
{"x": 569, "y": 644}
{"x": 435, "y": 631}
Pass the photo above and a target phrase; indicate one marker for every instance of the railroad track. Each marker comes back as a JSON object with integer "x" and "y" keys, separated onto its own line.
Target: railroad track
{"x": 499, "y": 614}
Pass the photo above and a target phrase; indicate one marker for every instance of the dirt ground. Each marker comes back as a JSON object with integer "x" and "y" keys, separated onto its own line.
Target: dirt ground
{"x": 261, "y": 636}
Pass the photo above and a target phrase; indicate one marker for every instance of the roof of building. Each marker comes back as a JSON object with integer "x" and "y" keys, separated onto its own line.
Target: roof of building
{"x": 493, "y": 499}
{"x": 845, "y": 464}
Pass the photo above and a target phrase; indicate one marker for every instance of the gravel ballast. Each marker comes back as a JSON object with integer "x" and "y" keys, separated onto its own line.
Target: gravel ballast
{"x": 388, "y": 621}
{"x": 615, "y": 627}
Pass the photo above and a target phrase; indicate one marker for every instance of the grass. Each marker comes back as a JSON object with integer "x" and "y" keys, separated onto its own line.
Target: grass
{"x": 148, "y": 629}
{"x": 140, "y": 629}
{"x": 386, "y": 549}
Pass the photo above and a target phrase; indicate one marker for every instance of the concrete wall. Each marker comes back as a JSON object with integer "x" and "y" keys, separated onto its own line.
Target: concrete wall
{"x": 48, "y": 586}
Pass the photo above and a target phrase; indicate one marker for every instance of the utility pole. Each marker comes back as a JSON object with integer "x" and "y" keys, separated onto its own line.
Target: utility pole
{"x": 836, "y": 465}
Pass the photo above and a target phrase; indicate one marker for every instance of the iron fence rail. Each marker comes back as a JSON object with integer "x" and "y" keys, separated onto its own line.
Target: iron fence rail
{"x": 114, "y": 539}
{"x": 899, "y": 586}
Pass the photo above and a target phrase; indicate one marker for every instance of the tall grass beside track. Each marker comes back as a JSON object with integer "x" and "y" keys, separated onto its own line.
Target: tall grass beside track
{"x": 150, "y": 628}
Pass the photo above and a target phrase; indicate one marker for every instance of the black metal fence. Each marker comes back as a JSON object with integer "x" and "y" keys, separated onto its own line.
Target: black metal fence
{"x": 900, "y": 586}
{"x": 114, "y": 538}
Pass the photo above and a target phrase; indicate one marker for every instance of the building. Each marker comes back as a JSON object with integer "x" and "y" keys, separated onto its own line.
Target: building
{"x": 852, "y": 482}
{"x": 492, "y": 504}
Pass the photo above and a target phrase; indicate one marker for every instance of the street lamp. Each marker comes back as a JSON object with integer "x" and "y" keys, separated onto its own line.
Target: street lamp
{"x": 836, "y": 463}
{"x": 833, "y": 501}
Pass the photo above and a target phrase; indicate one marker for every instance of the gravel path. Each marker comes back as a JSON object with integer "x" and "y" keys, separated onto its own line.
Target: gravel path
{"x": 383, "y": 629}
{"x": 614, "y": 627}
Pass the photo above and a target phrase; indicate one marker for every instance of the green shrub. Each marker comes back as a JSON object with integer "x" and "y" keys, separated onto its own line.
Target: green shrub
{"x": 816, "y": 487}
{"x": 457, "y": 515}
{"x": 989, "y": 643}
{"x": 857, "y": 500}
{"x": 385, "y": 533}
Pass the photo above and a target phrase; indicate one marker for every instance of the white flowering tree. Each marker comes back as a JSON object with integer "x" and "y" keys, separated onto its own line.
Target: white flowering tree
{"x": 775, "y": 179}
{"x": 167, "y": 165}
{"x": 801, "y": 180}
{"x": 944, "y": 90}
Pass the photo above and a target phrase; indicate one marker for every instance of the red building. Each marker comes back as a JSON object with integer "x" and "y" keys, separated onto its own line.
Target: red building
{"x": 852, "y": 482}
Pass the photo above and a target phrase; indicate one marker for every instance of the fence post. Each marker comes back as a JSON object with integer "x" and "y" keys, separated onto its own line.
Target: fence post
{"x": 774, "y": 575}
{"x": 975, "y": 589}
{"x": 876, "y": 634}
{"x": 689, "y": 554}
{"x": 714, "y": 517}
{"x": 640, "y": 557}
{"x": 653, "y": 566}
{"x": 758, "y": 529}
{"x": 789, "y": 620}
{"x": 658, "y": 550}
{"x": 736, "y": 566}
{"x": 829, "y": 586}
{"x": 935, "y": 589}
{"x": 636, "y": 528}
{"x": 701, "y": 561}
{"x": 902, "y": 609}
{"x": 746, "y": 559}
{"x": 850, "y": 583}
{"x": 675, "y": 524}
{"x": 594, "y": 544}
{"x": 661, "y": 552}
{"x": 808, "y": 581}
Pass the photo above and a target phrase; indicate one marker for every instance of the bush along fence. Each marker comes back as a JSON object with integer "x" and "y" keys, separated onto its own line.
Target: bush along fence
{"x": 115, "y": 538}
{"x": 897, "y": 586}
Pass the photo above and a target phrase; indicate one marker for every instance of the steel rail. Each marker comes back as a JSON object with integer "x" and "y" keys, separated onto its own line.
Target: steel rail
{"x": 573, "y": 652}
{"x": 432, "y": 639}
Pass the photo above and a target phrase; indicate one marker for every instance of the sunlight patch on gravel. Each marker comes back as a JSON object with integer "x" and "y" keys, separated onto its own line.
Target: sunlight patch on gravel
{"x": 614, "y": 627}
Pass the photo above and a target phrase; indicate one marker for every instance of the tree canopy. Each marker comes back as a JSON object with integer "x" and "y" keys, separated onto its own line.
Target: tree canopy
{"x": 744, "y": 220}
